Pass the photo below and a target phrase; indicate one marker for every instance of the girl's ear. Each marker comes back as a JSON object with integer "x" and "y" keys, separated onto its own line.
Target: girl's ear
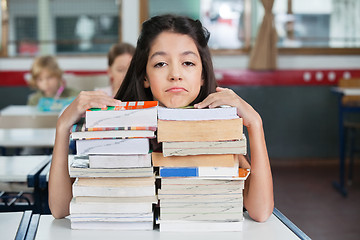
{"x": 146, "y": 82}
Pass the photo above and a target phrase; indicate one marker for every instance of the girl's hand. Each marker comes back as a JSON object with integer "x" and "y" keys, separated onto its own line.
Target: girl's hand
{"x": 225, "y": 96}
{"x": 84, "y": 101}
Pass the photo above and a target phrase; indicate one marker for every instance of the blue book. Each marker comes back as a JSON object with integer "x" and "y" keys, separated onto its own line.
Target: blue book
{"x": 53, "y": 105}
{"x": 179, "y": 172}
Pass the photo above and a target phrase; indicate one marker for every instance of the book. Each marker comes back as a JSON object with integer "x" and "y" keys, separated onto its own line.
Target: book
{"x": 197, "y": 131}
{"x": 137, "y": 206}
{"x": 199, "y": 171}
{"x": 80, "y": 132}
{"x": 112, "y": 217}
{"x": 191, "y": 113}
{"x": 116, "y": 182}
{"x": 134, "y": 114}
{"x": 47, "y": 104}
{"x": 113, "y": 146}
{"x": 214, "y": 160}
{"x": 80, "y": 168}
{"x": 199, "y": 226}
{"x": 100, "y": 225}
{"x": 107, "y": 190}
{"x": 196, "y": 148}
{"x": 119, "y": 161}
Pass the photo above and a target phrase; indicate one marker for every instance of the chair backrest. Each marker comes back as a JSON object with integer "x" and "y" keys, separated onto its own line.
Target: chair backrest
{"x": 86, "y": 82}
{"x": 350, "y": 83}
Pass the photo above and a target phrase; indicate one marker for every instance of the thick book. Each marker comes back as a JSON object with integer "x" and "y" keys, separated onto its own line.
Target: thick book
{"x": 190, "y": 113}
{"x": 80, "y": 132}
{"x": 111, "y": 217}
{"x": 200, "y": 226}
{"x": 214, "y": 160}
{"x": 113, "y": 146}
{"x": 198, "y": 131}
{"x": 196, "y": 148}
{"x": 80, "y": 168}
{"x": 135, "y": 114}
{"x": 106, "y": 225}
{"x": 199, "y": 171}
{"x": 111, "y": 190}
{"x": 120, "y": 161}
{"x": 116, "y": 182}
{"x": 137, "y": 206}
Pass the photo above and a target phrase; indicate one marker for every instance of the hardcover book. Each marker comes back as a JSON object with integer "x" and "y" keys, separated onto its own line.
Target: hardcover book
{"x": 197, "y": 131}
{"x": 190, "y": 113}
{"x": 134, "y": 114}
{"x": 197, "y": 148}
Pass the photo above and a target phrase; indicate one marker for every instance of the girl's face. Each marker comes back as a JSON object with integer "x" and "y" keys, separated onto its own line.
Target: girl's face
{"x": 174, "y": 70}
{"x": 48, "y": 83}
{"x": 117, "y": 71}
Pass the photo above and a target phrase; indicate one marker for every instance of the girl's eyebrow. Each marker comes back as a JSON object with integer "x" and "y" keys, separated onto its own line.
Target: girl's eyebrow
{"x": 162, "y": 53}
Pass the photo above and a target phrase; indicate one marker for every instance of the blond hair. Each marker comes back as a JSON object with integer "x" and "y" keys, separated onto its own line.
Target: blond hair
{"x": 42, "y": 63}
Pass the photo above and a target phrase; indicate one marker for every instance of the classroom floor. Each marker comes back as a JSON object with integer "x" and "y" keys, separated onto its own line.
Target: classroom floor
{"x": 304, "y": 193}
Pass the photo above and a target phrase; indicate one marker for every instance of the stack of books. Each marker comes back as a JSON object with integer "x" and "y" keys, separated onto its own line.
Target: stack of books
{"x": 201, "y": 183}
{"x": 115, "y": 182}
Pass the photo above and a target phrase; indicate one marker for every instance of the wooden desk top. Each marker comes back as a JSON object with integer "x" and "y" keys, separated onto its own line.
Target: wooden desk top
{"x": 23, "y": 116}
{"x": 273, "y": 228}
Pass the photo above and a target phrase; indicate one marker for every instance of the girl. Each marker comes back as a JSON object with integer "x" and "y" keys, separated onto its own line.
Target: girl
{"x": 171, "y": 64}
{"x": 119, "y": 58}
{"x": 46, "y": 77}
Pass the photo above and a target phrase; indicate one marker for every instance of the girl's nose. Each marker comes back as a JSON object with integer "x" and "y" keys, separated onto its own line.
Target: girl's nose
{"x": 175, "y": 74}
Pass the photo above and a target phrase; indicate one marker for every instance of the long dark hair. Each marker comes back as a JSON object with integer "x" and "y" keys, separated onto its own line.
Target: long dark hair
{"x": 132, "y": 88}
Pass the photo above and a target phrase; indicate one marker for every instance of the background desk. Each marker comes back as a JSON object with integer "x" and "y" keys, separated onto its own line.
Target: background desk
{"x": 27, "y": 137}
{"x": 273, "y": 228}
{"x": 21, "y": 173}
{"x": 23, "y": 116}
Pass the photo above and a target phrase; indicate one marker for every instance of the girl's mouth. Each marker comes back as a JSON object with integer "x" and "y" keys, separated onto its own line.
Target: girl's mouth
{"x": 176, "y": 89}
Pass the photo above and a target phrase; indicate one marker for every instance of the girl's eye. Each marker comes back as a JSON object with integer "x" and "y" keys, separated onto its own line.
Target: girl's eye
{"x": 160, "y": 64}
{"x": 189, "y": 64}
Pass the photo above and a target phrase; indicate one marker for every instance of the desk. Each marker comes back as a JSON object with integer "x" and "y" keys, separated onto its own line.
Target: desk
{"x": 343, "y": 109}
{"x": 273, "y": 228}
{"x": 23, "y": 116}
{"x": 21, "y": 173}
{"x": 27, "y": 137}
{"x": 14, "y": 225}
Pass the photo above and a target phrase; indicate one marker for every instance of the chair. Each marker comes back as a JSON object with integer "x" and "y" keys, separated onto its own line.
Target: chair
{"x": 351, "y": 126}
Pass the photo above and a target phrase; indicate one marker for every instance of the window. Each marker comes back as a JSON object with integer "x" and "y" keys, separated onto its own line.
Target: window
{"x": 59, "y": 26}
{"x": 303, "y": 26}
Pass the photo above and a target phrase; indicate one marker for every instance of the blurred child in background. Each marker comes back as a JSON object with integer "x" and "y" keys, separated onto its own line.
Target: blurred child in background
{"x": 46, "y": 78}
{"x": 119, "y": 58}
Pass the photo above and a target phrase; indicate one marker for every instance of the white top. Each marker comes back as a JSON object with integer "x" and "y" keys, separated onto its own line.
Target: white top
{"x": 24, "y": 110}
{"x": 23, "y": 116}
{"x": 16, "y": 168}
{"x": 348, "y": 91}
{"x": 273, "y": 228}
{"x": 27, "y": 137}
{"x": 9, "y": 224}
